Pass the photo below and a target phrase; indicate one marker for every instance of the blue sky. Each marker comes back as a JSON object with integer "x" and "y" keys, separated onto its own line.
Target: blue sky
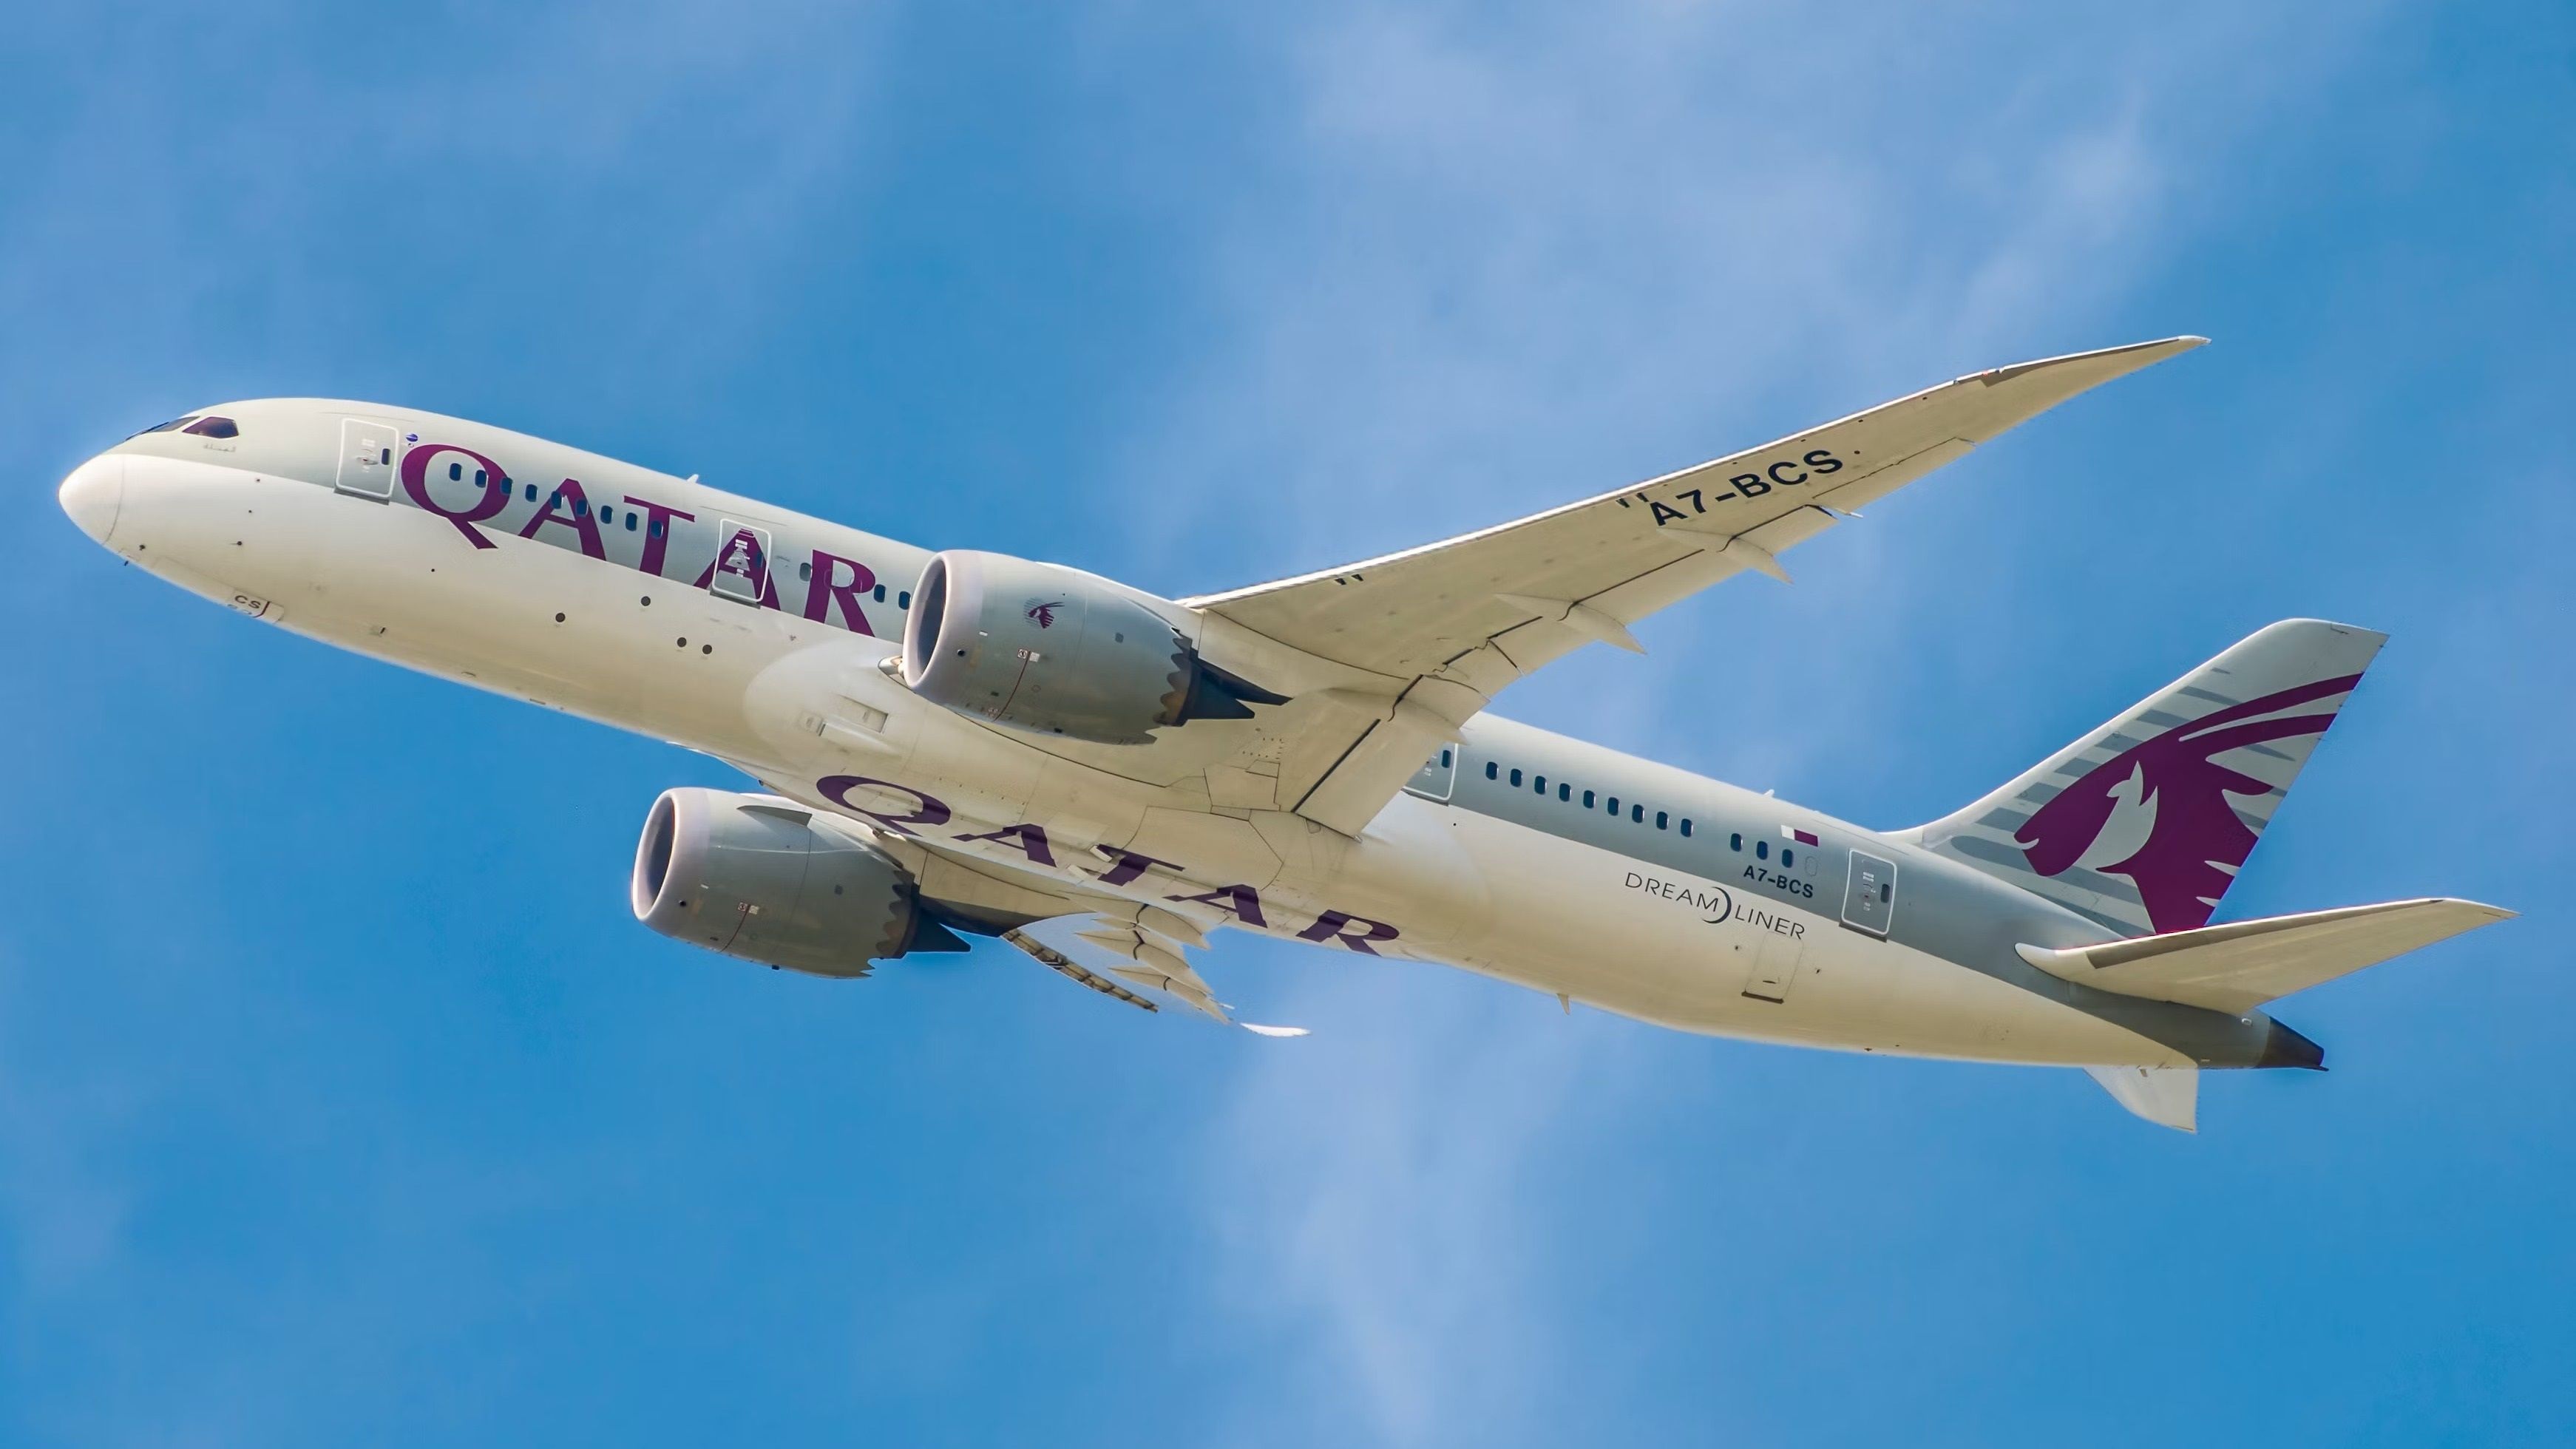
{"x": 341, "y": 1100}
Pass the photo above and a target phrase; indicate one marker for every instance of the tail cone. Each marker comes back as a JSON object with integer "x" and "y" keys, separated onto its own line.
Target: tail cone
{"x": 2286, "y": 1048}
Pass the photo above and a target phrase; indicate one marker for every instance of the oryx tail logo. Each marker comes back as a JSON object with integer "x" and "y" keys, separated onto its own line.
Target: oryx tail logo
{"x": 2196, "y": 839}
{"x": 1042, "y": 611}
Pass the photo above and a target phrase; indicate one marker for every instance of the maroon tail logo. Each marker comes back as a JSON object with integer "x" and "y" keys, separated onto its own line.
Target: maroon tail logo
{"x": 1043, "y": 613}
{"x": 2197, "y": 838}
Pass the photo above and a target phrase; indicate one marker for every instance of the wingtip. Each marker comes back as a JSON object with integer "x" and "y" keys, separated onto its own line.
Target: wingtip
{"x": 2489, "y": 914}
{"x": 2098, "y": 366}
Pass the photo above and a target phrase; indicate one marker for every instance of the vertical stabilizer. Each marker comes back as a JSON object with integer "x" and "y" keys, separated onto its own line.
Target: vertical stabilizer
{"x": 2143, "y": 824}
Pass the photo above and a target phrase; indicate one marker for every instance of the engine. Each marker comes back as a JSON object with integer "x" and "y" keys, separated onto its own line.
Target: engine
{"x": 1056, "y": 651}
{"x": 767, "y": 880}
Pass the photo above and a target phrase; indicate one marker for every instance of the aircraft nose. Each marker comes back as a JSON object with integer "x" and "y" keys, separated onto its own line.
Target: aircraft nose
{"x": 92, "y": 494}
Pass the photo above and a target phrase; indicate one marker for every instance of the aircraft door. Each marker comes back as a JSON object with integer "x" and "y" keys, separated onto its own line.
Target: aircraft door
{"x": 1869, "y": 896}
{"x": 1437, "y": 777}
{"x": 366, "y": 459}
{"x": 741, "y": 571}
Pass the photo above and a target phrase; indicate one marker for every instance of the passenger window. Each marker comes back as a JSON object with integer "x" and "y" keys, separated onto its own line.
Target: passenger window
{"x": 1564, "y": 792}
{"x": 880, "y": 593}
{"x": 214, "y": 428}
{"x": 1490, "y": 769}
{"x": 1516, "y": 779}
{"x": 1587, "y": 799}
{"x": 455, "y": 471}
{"x": 1445, "y": 760}
{"x": 482, "y": 479}
{"x": 1735, "y": 841}
{"x": 1614, "y": 804}
{"x": 1788, "y": 857}
{"x": 805, "y": 570}
{"x": 581, "y": 508}
{"x": 630, "y": 520}
{"x": 1637, "y": 814}
{"x": 1539, "y": 784}
{"x": 1663, "y": 820}
{"x": 1685, "y": 825}
{"x": 656, "y": 530}
{"x": 1762, "y": 850}
{"x": 532, "y": 493}
{"x": 903, "y": 600}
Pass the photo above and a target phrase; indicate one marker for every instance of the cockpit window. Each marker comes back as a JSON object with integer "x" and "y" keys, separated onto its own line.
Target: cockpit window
{"x": 172, "y": 426}
{"x": 213, "y": 427}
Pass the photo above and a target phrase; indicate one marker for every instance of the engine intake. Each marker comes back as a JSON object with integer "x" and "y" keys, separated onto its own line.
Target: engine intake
{"x": 767, "y": 880}
{"x": 1056, "y": 651}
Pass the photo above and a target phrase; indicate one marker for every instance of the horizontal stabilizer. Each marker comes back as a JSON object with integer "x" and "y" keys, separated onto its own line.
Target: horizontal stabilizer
{"x": 2241, "y": 965}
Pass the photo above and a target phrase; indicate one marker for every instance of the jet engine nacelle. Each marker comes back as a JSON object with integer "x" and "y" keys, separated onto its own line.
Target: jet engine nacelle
{"x": 767, "y": 880}
{"x": 1056, "y": 651}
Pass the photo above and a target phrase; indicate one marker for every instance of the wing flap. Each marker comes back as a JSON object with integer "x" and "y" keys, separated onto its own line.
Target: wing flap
{"x": 2243, "y": 964}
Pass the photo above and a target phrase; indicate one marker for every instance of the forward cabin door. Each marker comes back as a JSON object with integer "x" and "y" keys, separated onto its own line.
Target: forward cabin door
{"x": 1869, "y": 896}
{"x": 366, "y": 459}
{"x": 742, "y": 563}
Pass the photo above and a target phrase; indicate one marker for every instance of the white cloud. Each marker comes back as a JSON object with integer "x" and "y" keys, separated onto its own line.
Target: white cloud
{"x": 1498, "y": 261}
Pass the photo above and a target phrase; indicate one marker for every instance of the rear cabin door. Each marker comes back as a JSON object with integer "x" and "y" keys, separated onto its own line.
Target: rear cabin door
{"x": 1869, "y": 896}
{"x": 366, "y": 458}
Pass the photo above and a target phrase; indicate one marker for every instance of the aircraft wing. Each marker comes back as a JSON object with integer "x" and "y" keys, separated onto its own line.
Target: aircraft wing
{"x": 1147, "y": 958}
{"x": 1455, "y": 621}
{"x": 1148, "y": 945}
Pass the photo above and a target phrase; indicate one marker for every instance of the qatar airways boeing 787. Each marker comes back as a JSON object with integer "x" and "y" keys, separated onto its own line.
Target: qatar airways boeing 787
{"x": 964, "y": 743}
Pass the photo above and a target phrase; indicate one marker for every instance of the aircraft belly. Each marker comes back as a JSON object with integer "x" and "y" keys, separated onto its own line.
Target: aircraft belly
{"x": 1704, "y": 956}
{"x": 1411, "y": 867}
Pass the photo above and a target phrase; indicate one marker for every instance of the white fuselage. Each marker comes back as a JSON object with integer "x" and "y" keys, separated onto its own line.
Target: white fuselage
{"x": 802, "y": 704}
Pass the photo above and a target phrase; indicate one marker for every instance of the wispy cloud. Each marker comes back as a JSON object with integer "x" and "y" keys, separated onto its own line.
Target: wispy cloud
{"x": 1499, "y": 260}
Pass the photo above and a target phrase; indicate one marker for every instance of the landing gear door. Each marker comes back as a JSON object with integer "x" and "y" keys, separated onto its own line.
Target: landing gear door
{"x": 366, "y": 459}
{"x": 741, "y": 569}
{"x": 1869, "y": 896}
{"x": 1437, "y": 777}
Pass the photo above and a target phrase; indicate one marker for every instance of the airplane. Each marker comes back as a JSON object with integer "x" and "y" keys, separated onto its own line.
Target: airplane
{"x": 967, "y": 744}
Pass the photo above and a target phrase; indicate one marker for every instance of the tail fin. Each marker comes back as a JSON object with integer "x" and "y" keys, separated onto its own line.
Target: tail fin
{"x": 2143, "y": 824}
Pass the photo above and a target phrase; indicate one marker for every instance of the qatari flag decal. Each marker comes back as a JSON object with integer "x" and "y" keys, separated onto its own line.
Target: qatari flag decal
{"x": 1803, "y": 837}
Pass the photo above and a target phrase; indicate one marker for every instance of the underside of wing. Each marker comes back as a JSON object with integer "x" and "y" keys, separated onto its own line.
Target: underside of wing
{"x": 1142, "y": 951}
{"x": 1414, "y": 612}
{"x": 1145, "y": 962}
{"x": 1449, "y": 624}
